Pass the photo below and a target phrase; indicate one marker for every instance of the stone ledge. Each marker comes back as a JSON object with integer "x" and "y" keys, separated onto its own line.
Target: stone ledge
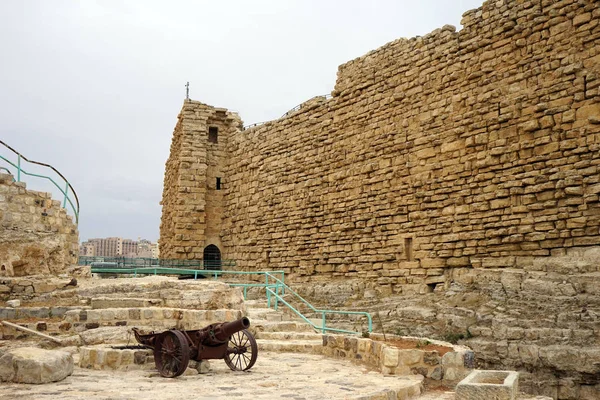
{"x": 449, "y": 368}
{"x": 105, "y": 357}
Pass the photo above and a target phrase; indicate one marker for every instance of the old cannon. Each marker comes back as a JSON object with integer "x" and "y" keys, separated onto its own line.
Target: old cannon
{"x": 173, "y": 349}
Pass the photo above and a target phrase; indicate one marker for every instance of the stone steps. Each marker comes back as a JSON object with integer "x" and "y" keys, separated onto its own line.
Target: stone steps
{"x": 265, "y": 314}
{"x": 291, "y": 346}
{"x": 280, "y": 326}
{"x": 437, "y": 395}
{"x": 275, "y": 331}
{"x": 289, "y": 336}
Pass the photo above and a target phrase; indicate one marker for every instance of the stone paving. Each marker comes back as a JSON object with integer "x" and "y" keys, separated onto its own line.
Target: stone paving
{"x": 274, "y": 376}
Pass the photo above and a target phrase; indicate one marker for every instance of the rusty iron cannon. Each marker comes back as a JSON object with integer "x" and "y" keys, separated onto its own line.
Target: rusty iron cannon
{"x": 173, "y": 349}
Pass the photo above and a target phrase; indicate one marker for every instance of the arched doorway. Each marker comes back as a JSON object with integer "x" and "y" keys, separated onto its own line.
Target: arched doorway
{"x": 212, "y": 258}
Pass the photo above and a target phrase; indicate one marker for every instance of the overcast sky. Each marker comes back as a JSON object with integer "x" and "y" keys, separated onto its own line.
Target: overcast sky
{"x": 94, "y": 87}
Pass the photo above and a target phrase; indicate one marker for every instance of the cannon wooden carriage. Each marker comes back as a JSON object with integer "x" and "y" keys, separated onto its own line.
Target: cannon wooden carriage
{"x": 173, "y": 349}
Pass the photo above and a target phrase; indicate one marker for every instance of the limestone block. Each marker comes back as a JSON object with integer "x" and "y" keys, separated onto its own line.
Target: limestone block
{"x": 390, "y": 356}
{"x": 13, "y": 303}
{"x": 109, "y": 334}
{"x": 33, "y": 365}
{"x": 202, "y": 367}
{"x": 531, "y": 126}
{"x": 489, "y": 385}
{"x": 410, "y": 357}
{"x": 453, "y": 374}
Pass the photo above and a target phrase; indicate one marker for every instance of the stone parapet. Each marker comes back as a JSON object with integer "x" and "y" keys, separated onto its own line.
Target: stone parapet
{"x": 449, "y": 367}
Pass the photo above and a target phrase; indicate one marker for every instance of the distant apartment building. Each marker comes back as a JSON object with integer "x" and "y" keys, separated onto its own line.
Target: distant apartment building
{"x": 128, "y": 248}
{"x": 118, "y": 247}
{"x": 87, "y": 249}
{"x": 106, "y": 247}
{"x": 144, "y": 248}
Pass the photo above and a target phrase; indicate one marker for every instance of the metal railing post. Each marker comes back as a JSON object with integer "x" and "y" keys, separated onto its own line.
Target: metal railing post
{"x": 267, "y": 290}
{"x": 276, "y": 295}
{"x": 66, "y": 192}
{"x": 323, "y": 322}
{"x": 18, "y": 168}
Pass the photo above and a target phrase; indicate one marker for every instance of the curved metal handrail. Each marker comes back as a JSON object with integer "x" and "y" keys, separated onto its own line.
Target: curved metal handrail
{"x": 7, "y": 171}
{"x": 255, "y": 124}
{"x": 298, "y": 107}
{"x": 65, "y": 192}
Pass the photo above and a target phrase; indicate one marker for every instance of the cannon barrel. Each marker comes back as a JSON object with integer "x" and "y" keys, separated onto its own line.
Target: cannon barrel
{"x": 229, "y": 328}
{"x": 223, "y": 331}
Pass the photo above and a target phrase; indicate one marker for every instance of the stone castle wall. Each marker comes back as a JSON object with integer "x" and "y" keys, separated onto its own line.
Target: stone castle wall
{"x": 451, "y": 183}
{"x": 456, "y": 149}
{"x": 36, "y": 234}
{"x": 192, "y": 205}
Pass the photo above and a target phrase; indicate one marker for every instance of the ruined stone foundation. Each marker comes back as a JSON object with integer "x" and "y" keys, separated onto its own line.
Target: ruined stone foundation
{"x": 36, "y": 234}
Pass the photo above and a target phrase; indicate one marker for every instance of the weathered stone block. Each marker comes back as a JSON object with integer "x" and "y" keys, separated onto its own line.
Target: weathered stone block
{"x": 489, "y": 385}
{"x": 33, "y": 365}
{"x": 390, "y": 357}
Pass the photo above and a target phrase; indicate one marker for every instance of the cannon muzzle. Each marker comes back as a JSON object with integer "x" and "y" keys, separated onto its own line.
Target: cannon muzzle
{"x": 229, "y": 328}
{"x": 221, "y": 332}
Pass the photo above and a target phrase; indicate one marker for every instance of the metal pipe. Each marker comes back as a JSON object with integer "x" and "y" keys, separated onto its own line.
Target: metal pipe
{"x": 22, "y": 328}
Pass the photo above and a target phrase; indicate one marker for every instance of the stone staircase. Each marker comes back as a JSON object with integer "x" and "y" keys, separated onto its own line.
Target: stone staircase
{"x": 276, "y": 331}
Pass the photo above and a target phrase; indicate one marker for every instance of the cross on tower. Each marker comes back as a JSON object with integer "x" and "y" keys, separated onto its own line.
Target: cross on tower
{"x": 187, "y": 91}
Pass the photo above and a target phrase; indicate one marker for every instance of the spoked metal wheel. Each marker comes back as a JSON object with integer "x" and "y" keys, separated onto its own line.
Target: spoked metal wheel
{"x": 171, "y": 354}
{"x": 241, "y": 351}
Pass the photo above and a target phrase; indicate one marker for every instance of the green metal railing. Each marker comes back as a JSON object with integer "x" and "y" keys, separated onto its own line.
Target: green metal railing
{"x": 280, "y": 285}
{"x": 66, "y": 184}
{"x": 273, "y": 283}
{"x": 141, "y": 262}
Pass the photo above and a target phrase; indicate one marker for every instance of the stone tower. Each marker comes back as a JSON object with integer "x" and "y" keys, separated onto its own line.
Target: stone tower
{"x": 193, "y": 187}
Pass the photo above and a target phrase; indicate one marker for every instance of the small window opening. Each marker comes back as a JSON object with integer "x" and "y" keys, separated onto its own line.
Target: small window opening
{"x": 431, "y": 287}
{"x": 408, "y": 250}
{"x": 213, "y": 133}
{"x": 218, "y": 184}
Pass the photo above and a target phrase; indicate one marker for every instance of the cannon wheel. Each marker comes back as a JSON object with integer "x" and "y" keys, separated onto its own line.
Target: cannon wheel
{"x": 241, "y": 351}
{"x": 171, "y": 354}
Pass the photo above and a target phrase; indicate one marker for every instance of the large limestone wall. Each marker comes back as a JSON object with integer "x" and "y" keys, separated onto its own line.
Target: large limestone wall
{"x": 456, "y": 149}
{"x": 36, "y": 234}
{"x": 453, "y": 179}
{"x": 192, "y": 205}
